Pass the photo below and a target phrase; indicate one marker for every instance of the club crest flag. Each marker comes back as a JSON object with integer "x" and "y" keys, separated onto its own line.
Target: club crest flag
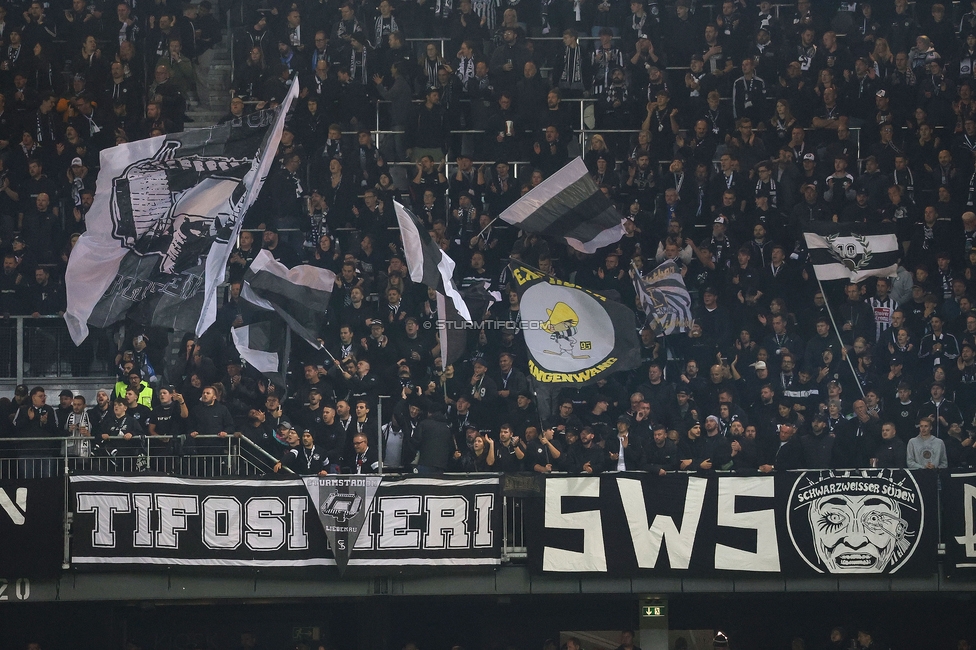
{"x": 165, "y": 217}
{"x": 852, "y": 251}
{"x": 665, "y": 299}
{"x": 342, "y": 503}
{"x": 574, "y": 336}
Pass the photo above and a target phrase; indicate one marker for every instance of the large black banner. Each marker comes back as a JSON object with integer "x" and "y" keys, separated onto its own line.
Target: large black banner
{"x": 796, "y": 524}
{"x": 369, "y": 521}
{"x": 959, "y": 527}
{"x": 31, "y": 528}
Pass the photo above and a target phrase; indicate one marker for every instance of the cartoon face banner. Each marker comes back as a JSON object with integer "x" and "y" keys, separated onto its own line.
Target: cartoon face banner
{"x": 797, "y": 523}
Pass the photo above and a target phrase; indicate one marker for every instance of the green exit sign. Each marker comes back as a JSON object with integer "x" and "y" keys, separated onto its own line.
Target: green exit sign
{"x": 652, "y": 611}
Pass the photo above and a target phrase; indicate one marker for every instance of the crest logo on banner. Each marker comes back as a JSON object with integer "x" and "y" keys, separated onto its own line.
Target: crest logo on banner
{"x": 854, "y": 252}
{"x": 864, "y": 521}
{"x": 342, "y": 504}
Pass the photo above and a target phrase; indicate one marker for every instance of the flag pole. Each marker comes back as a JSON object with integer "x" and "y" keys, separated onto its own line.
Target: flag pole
{"x": 487, "y": 227}
{"x": 837, "y": 333}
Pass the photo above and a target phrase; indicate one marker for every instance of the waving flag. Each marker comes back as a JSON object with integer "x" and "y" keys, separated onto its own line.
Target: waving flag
{"x": 299, "y": 295}
{"x": 166, "y": 214}
{"x": 574, "y": 336}
{"x": 426, "y": 262}
{"x": 664, "y": 298}
{"x": 852, "y": 251}
{"x": 568, "y": 206}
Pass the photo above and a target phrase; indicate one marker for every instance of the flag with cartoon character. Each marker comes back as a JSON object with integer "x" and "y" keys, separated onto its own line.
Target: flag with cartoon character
{"x": 574, "y": 336}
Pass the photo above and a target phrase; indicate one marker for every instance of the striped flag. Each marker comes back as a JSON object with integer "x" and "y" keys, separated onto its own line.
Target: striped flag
{"x": 852, "y": 251}
{"x": 426, "y": 262}
{"x": 264, "y": 344}
{"x": 451, "y": 325}
{"x": 299, "y": 295}
{"x": 568, "y": 206}
{"x": 664, "y": 298}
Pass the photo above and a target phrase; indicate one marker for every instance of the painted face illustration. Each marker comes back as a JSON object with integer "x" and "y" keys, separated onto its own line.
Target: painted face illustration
{"x": 858, "y": 533}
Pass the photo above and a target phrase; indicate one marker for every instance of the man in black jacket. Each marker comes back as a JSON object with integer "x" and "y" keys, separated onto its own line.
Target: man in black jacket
{"x": 818, "y": 446}
{"x": 586, "y": 457}
{"x": 36, "y": 419}
{"x": 789, "y": 454}
{"x": 892, "y": 452}
{"x": 210, "y": 418}
{"x": 436, "y": 444}
{"x": 116, "y": 432}
{"x": 364, "y": 459}
{"x": 662, "y": 456}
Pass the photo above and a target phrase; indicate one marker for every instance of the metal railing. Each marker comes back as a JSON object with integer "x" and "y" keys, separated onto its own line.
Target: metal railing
{"x": 39, "y": 346}
{"x": 38, "y": 457}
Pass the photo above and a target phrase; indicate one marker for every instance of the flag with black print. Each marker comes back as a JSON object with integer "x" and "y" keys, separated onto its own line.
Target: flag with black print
{"x": 451, "y": 325}
{"x": 264, "y": 344}
{"x": 852, "y": 251}
{"x": 299, "y": 295}
{"x": 573, "y": 336}
{"x": 426, "y": 262}
{"x": 166, "y": 215}
{"x": 665, "y": 299}
{"x": 569, "y": 207}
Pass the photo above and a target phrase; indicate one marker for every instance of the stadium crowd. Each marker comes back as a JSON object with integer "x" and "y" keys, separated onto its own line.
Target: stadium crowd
{"x": 721, "y": 131}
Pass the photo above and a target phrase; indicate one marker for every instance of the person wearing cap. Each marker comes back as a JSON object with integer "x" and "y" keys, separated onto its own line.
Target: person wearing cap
{"x": 584, "y": 455}
{"x": 292, "y": 440}
{"x": 426, "y": 133}
{"x": 718, "y": 244}
{"x": 100, "y": 409}
{"x": 118, "y": 434}
{"x": 818, "y": 445}
{"x": 271, "y": 242}
{"x": 64, "y": 407}
{"x": 716, "y": 448}
{"x": 942, "y": 412}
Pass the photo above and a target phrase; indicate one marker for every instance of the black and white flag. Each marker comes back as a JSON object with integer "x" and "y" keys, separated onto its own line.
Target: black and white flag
{"x": 264, "y": 344}
{"x": 451, "y": 326}
{"x": 852, "y": 251}
{"x": 299, "y": 295}
{"x": 568, "y": 206}
{"x": 426, "y": 262}
{"x": 665, "y": 299}
{"x": 165, "y": 217}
